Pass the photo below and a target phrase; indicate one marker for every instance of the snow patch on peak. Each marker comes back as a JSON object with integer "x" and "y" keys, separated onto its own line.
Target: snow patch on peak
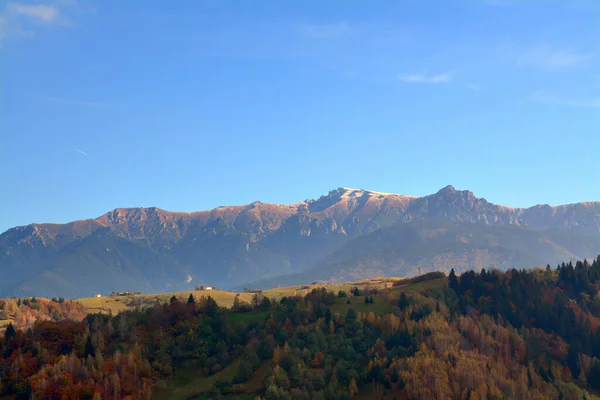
{"x": 350, "y": 191}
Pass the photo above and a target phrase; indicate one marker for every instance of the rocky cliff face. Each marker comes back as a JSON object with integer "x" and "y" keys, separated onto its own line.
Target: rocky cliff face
{"x": 152, "y": 249}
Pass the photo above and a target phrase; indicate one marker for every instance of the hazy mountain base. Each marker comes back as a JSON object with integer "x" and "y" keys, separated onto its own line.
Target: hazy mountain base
{"x": 411, "y": 249}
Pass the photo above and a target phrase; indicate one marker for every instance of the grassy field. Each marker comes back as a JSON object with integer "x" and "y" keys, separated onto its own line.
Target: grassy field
{"x": 420, "y": 287}
{"x": 117, "y": 304}
{"x": 380, "y": 305}
{"x": 379, "y": 283}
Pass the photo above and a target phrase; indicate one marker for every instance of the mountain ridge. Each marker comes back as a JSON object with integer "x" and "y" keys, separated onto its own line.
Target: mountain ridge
{"x": 447, "y": 189}
{"x": 232, "y": 245}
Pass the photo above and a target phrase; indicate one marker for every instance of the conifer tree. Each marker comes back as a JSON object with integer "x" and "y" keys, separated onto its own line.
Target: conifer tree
{"x": 191, "y": 299}
{"x": 10, "y": 332}
{"x": 89, "y": 348}
{"x": 403, "y": 301}
{"x": 453, "y": 280}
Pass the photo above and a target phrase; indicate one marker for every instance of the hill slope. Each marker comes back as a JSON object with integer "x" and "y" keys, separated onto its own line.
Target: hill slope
{"x": 154, "y": 250}
{"x": 490, "y": 335}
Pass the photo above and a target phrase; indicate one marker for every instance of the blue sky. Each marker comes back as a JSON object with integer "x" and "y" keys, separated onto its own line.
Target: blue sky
{"x": 190, "y": 105}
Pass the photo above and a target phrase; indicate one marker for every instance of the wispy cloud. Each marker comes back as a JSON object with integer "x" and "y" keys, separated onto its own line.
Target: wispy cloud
{"x": 445, "y": 77}
{"x": 545, "y": 56}
{"x": 325, "y": 31}
{"x": 476, "y": 87}
{"x": 23, "y": 20}
{"x": 37, "y": 12}
{"x": 80, "y": 151}
{"x": 79, "y": 103}
{"x": 542, "y": 98}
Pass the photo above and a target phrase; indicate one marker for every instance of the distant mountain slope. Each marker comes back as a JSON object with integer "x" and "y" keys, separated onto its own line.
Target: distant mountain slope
{"x": 422, "y": 246}
{"x": 151, "y": 249}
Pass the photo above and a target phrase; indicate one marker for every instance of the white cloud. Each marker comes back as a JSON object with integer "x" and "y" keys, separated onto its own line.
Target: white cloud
{"x": 37, "y": 12}
{"x": 566, "y": 102}
{"x": 545, "y": 56}
{"x": 24, "y": 20}
{"x": 80, "y": 151}
{"x": 422, "y": 78}
{"x": 325, "y": 31}
{"x": 476, "y": 87}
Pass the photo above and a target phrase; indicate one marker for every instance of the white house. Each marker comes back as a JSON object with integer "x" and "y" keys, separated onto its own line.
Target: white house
{"x": 208, "y": 288}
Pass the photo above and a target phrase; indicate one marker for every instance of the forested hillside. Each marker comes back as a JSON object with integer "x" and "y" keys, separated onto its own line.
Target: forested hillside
{"x": 481, "y": 335}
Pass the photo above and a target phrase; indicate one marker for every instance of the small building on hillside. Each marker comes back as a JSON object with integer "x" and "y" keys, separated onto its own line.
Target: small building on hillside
{"x": 98, "y": 294}
{"x": 208, "y": 288}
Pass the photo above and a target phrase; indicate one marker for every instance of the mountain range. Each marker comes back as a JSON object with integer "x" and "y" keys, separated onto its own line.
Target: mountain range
{"x": 346, "y": 234}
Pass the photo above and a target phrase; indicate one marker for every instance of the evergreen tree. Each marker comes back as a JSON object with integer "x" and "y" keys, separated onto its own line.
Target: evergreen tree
{"x": 10, "y": 332}
{"x": 351, "y": 315}
{"x": 89, "y": 348}
{"x": 573, "y": 359}
{"x": 403, "y": 301}
{"x": 265, "y": 303}
{"x": 191, "y": 299}
{"x": 453, "y": 280}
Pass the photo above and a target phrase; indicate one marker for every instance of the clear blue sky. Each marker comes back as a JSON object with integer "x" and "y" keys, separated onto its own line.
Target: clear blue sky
{"x": 188, "y": 105}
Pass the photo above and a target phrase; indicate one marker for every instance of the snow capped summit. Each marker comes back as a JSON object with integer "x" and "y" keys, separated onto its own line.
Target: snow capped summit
{"x": 349, "y": 192}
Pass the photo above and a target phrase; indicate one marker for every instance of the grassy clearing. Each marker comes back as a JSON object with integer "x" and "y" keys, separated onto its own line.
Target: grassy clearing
{"x": 301, "y": 290}
{"x": 420, "y": 287}
{"x": 257, "y": 382}
{"x": 189, "y": 382}
{"x": 379, "y": 307}
{"x": 117, "y": 304}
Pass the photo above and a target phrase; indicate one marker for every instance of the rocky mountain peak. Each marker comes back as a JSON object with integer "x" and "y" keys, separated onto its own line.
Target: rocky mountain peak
{"x": 447, "y": 189}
